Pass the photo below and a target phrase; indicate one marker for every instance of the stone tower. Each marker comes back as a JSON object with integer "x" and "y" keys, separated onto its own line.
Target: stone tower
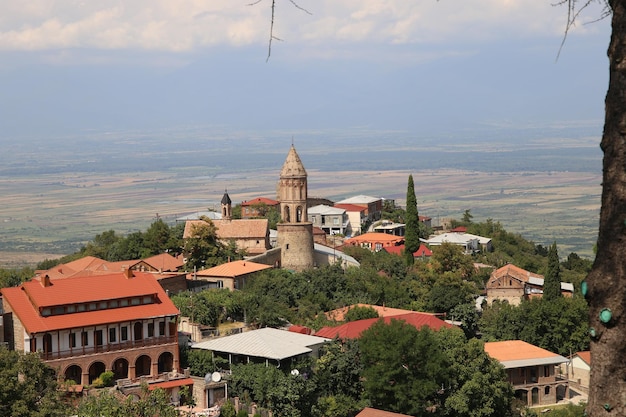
{"x": 295, "y": 232}
{"x": 227, "y": 209}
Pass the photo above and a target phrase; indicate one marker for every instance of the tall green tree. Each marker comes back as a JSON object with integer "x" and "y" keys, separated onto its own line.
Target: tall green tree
{"x": 412, "y": 223}
{"x": 552, "y": 279}
{"x": 403, "y": 368}
{"x": 202, "y": 248}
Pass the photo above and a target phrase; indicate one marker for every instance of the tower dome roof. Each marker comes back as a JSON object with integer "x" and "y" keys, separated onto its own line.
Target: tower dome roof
{"x": 293, "y": 165}
{"x": 226, "y": 198}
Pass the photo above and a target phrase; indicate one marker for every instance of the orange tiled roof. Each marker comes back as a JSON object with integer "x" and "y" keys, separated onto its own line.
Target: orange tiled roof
{"x": 372, "y": 412}
{"x": 585, "y": 356}
{"x": 340, "y": 313}
{"x": 516, "y": 350}
{"x": 233, "y": 269}
{"x": 171, "y": 383}
{"x": 421, "y": 251}
{"x": 234, "y": 229}
{"x": 350, "y": 207}
{"x": 26, "y": 300}
{"x": 80, "y": 266}
{"x": 260, "y": 200}
{"x": 375, "y": 237}
{"x": 515, "y": 272}
{"x": 353, "y": 329}
{"x": 164, "y": 262}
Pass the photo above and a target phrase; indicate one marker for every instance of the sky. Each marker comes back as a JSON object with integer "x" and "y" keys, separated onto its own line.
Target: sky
{"x": 419, "y": 66}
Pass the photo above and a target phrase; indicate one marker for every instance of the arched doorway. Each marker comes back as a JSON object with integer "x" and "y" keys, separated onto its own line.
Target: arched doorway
{"x": 166, "y": 362}
{"x": 143, "y": 365}
{"x": 535, "y": 396}
{"x": 74, "y": 373}
{"x": 95, "y": 370}
{"x": 522, "y": 395}
{"x": 138, "y": 330}
{"x": 120, "y": 368}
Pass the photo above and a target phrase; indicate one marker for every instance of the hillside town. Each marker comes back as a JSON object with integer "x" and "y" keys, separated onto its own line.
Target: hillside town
{"x": 277, "y": 294}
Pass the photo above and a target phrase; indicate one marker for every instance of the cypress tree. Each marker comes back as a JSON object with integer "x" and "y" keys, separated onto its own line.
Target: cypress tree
{"x": 552, "y": 281}
{"x": 412, "y": 226}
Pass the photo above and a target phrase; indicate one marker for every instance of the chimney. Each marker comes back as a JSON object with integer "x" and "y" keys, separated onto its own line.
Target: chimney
{"x": 45, "y": 281}
{"x": 128, "y": 272}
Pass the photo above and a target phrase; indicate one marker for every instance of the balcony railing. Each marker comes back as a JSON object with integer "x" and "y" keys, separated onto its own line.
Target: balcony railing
{"x": 112, "y": 347}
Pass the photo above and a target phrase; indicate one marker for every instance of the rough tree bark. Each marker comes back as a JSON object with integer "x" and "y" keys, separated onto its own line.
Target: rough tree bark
{"x": 607, "y": 280}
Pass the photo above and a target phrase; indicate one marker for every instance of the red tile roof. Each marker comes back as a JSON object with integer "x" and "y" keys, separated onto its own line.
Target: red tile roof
{"x": 26, "y": 300}
{"x": 260, "y": 200}
{"x": 372, "y": 412}
{"x": 512, "y": 350}
{"x": 422, "y": 251}
{"x": 164, "y": 262}
{"x": 340, "y": 313}
{"x": 353, "y": 329}
{"x": 171, "y": 384}
{"x": 233, "y": 269}
{"x": 513, "y": 271}
{"x": 234, "y": 229}
{"x": 350, "y": 207}
{"x": 585, "y": 356}
{"x": 459, "y": 229}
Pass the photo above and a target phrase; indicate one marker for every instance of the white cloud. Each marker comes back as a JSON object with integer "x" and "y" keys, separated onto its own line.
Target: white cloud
{"x": 187, "y": 25}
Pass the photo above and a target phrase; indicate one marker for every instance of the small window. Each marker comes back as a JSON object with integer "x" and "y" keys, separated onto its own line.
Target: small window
{"x": 93, "y": 306}
{"x": 84, "y": 339}
{"x": 124, "y": 333}
{"x": 112, "y": 335}
{"x": 113, "y": 304}
{"x": 547, "y": 391}
{"x": 546, "y": 371}
{"x": 147, "y": 299}
{"x": 124, "y": 303}
{"x": 150, "y": 329}
{"x": 73, "y": 340}
{"x": 161, "y": 328}
{"x": 135, "y": 301}
{"x": 46, "y": 312}
{"x": 58, "y": 310}
{"x": 81, "y": 307}
{"x": 97, "y": 336}
{"x": 103, "y": 305}
{"x": 71, "y": 308}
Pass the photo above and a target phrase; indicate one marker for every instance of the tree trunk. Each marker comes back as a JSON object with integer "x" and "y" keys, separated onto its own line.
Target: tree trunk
{"x": 607, "y": 280}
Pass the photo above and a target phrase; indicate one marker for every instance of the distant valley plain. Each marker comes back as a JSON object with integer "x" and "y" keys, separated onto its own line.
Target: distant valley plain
{"x": 58, "y": 193}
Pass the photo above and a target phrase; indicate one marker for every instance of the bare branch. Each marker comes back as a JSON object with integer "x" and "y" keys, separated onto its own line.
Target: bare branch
{"x": 301, "y": 8}
{"x": 574, "y": 10}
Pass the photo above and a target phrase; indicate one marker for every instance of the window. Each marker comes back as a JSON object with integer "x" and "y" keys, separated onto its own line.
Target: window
{"x": 135, "y": 301}
{"x": 81, "y": 307}
{"x": 124, "y": 333}
{"x": 97, "y": 336}
{"x": 71, "y": 308}
{"x": 124, "y": 303}
{"x": 336, "y": 221}
{"x": 112, "y": 336}
{"x": 103, "y": 305}
{"x": 46, "y": 312}
{"x": 58, "y": 310}
{"x": 161, "y": 328}
{"x": 113, "y": 304}
{"x": 546, "y": 371}
{"x": 84, "y": 339}
{"x": 73, "y": 340}
{"x": 147, "y": 299}
{"x": 547, "y": 391}
{"x": 150, "y": 329}
{"x": 93, "y": 306}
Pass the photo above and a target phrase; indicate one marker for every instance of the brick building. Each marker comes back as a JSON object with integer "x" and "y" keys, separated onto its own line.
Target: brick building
{"x": 83, "y": 326}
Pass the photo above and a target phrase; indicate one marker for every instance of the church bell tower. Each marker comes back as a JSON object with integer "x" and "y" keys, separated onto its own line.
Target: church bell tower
{"x": 295, "y": 232}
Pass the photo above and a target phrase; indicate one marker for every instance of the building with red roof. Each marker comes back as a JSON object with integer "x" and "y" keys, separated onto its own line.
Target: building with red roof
{"x": 257, "y": 207}
{"x": 83, "y": 326}
{"x": 421, "y": 253}
{"x": 375, "y": 241}
{"x": 353, "y": 329}
{"x": 531, "y": 370}
{"x": 578, "y": 371}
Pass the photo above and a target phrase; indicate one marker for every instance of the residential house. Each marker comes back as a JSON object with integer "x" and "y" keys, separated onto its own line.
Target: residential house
{"x": 331, "y": 220}
{"x": 531, "y": 370}
{"x": 83, "y": 326}
{"x": 382, "y": 311}
{"x": 512, "y": 284}
{"x": 373, "y": 205}
{"x": 391, "y": 228}
{"x": 250, "y": 235}
{"x": 257, "y": 207}
{"x": 353, "y": 329}
{"x": 578, "y": 370}
{"x": 231, "y": 275}
{"x": 198, "y": 215}
{"x": 469, "y": 242}
{"x": 267, "y": 345}
{"x": 375, "y": 241}
{"x": 357, "y": 217}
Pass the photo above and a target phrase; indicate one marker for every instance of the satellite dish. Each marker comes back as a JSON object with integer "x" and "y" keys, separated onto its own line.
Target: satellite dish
{"x": 295, "y": 372}
{"x": 216, "y": 377}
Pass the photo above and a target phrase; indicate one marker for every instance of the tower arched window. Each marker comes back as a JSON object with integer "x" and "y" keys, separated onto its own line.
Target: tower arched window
{"x": 299, "y": 214}
{"x": 286, "y": 215}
